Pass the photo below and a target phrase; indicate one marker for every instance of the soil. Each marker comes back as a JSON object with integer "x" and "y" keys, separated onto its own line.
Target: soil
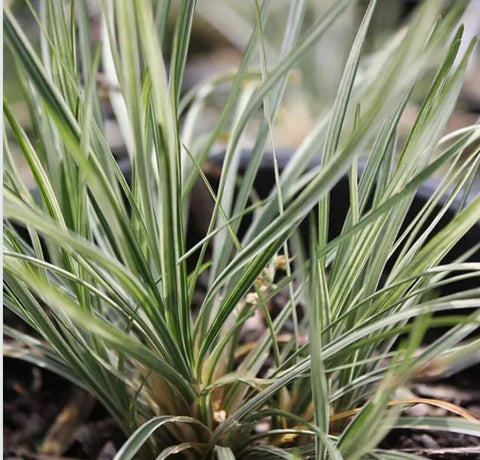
{"x": 463, "y": 390}
{"x": 48, "y": 418}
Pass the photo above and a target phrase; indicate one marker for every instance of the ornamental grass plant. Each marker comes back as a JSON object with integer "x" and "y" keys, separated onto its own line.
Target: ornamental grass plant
{"x": 99, "y": 269}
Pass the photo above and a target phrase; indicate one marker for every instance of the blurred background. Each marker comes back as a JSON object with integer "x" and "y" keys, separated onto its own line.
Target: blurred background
{"x": 220, "y": 33}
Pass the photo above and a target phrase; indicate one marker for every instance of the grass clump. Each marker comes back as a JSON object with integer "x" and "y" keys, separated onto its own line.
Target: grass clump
{"x": 99, "y": 267}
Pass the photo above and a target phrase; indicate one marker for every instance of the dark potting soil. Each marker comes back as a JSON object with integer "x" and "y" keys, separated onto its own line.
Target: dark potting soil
{"x": 35, "y": 400}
